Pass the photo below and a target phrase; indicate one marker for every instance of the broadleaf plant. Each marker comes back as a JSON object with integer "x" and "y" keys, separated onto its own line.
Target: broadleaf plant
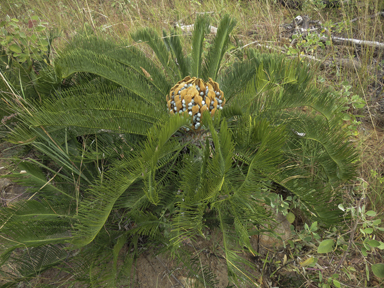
{"x": 119, "y": 164}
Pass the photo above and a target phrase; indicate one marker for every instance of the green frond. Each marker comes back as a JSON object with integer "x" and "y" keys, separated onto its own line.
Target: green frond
{"x": 158, "y": 146}
{"x": 260, "y": 146}
{"x": 332, "y": 151}
{"x": 221, "y": 163}
{"x": 60, "y": 153}
{"x": 134, "y": 199}
{"x": 99, "y": 110}
{"x": 313, "y": 195}
{"x": 281, "y": 71}
{"x": 96, "y": 207}
{"x": 265, "y": 72}
{"x": 273, "y": 103}
{"x": 116, "y": 251}
{"x": 102, "y": 196}
{"x": 234, "y": 261}
{"x": 151, "y": 37}
{"x": 32, "y": 262}
{"x": 87, "y": 61}
{"x": 146, "y": 224}
{"x": 31, "y": 176}
{"x": 217, "y": 50}
{"x": 194, "y": 174}
{"x": 242, "y": 224}
{"x": 187, "y": 222}
{"x": 117, "y": 113}
{"x": 200, "y": 29}
{"x": 31, "y": 225}
{"x": 167, "y": 42}
{"x": 125, "y": 54}
{"x": 192, "y": 186}
{"x": 235, "y": 78}
{"x": 181, "y": 61}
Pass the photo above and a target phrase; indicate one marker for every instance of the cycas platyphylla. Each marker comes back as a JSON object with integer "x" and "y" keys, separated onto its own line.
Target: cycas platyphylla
{"x": 164, "y": 175}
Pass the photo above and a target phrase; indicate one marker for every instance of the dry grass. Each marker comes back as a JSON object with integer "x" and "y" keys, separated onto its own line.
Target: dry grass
{"x": 257, "y": 21}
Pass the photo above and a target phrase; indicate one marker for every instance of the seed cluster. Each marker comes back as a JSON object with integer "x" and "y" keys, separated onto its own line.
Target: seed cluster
{"x": 194, "y": 96}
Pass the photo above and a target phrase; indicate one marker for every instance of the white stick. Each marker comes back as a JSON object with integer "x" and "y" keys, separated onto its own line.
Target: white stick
{"x": 189, "y": 28}
{"x": 355, "y": 41}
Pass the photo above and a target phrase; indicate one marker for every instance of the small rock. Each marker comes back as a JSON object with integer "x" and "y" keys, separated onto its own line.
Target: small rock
{"x": 4, "y": 182}
{"x": 10, "y": 192}
{"x": 268, "y": 240}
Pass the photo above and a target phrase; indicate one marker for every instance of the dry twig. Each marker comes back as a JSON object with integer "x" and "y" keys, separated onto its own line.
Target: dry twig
{"x": 351, "y": 41}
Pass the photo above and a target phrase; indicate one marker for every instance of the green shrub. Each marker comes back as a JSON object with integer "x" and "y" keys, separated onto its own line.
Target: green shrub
{"x": 121, "y": 167}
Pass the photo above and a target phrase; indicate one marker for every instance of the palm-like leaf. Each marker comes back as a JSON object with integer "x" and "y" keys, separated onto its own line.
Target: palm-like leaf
{"x": 216, "y": 52}
{"x": 150, "y": 37}
{"x": 199, "y": 31}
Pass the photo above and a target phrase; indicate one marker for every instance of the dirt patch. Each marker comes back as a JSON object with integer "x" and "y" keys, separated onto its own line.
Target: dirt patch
{"x": 9, "y": 191}
{"x": 153, "y": 270}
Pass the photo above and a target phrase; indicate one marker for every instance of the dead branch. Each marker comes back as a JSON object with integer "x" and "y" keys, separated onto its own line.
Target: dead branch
{"x": 351, "y": 42}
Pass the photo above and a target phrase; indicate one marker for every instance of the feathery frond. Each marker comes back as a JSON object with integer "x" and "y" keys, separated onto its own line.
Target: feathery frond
{"x": 181, "y": 61}
{"x": 200, "y": 29}
{"x": 87, "y": 61}
{"x": 151, "y": 37}
{"x": 217, "y": 50}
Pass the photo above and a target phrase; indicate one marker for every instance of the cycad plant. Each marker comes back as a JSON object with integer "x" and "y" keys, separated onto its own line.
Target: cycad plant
{"x": 127, "y": 159}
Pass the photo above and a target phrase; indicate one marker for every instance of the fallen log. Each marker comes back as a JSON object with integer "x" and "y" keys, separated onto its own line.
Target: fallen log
{"x": 351, "y": 42}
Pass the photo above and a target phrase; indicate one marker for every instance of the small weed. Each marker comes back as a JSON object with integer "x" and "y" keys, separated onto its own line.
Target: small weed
{"x": 24, "y": 40}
